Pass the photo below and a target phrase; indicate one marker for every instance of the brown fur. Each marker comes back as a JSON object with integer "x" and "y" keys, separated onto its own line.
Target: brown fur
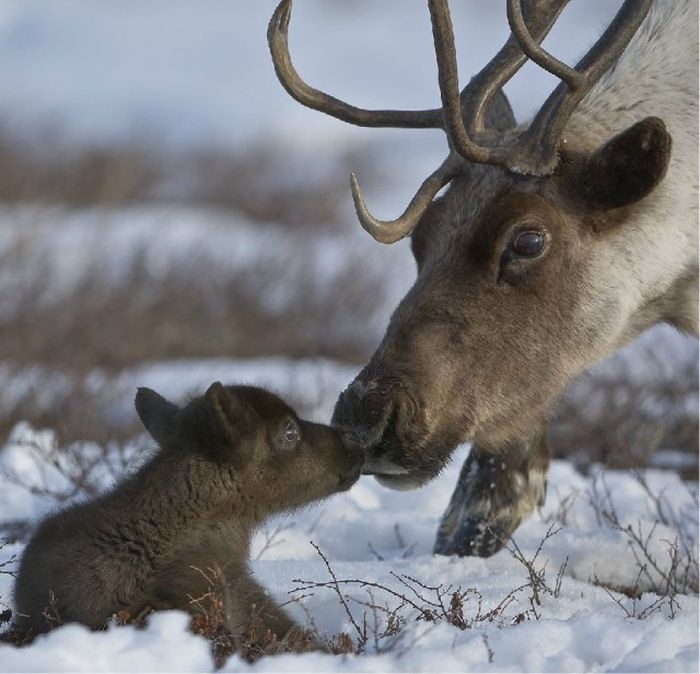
{"x": 180, "y": 528}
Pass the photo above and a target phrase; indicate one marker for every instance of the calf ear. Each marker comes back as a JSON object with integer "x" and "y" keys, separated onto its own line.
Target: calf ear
{"x": 159, "y": 416}
{"x": 629, "y": 166}
{"x": 233, "y": 415}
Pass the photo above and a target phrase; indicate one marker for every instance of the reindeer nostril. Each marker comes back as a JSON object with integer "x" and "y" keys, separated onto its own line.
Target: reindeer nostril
{"x": 357, "y": 388}
{"x": 362, "y": 414}
{"x": 352, "y": 438}
{"x": 360, "y": 388}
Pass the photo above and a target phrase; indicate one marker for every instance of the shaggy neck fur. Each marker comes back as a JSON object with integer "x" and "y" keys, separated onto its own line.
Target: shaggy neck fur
{"x": 653, "y": 259}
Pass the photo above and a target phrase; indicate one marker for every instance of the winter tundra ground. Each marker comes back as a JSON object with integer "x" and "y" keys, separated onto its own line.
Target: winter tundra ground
{"x": 602, "y": 578}
{"x": 125, "y": 264}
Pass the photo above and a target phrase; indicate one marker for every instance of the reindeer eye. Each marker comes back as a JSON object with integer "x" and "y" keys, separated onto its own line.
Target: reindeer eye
{"x": 528, "y": 244}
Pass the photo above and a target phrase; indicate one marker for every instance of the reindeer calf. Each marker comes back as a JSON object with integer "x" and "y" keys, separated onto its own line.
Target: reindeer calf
{"x": 178, "y": 531}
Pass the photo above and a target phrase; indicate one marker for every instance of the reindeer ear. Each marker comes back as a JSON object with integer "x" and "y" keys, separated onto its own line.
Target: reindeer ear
{"x": 159, "y": 416}
{"x": 629, "y": 166}
{"x": 498, "y": 115}
{"x": 233, "y": 415}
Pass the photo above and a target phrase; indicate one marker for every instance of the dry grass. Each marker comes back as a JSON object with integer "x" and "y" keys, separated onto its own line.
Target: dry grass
{"x": 631, "y": 422}
{"x": 261, "y": 182}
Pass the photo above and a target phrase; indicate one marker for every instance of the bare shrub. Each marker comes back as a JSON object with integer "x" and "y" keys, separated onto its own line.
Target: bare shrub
{"x": 386, "y": 612}
{"x": 76, "y": 470}
{"x": 7, "y": 568}
{"x": 297, "y": 191}
{"x": 76, "y": 407}
{"x": 259, "y": 181}
{"x": 678, "y": 573}
{"x": 193, "y": 311}
{"x": 537, "y": 575}
{"x": 51, "y": 168}
{"x": 630, "y": 420}
{"x": 272, "y": 536}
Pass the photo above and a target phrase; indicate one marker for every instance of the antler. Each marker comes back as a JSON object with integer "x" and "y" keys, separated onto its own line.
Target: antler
{"x": 534, "y": 152}
{"x": 547, "y": 127}
{"x": 277, "y": 38}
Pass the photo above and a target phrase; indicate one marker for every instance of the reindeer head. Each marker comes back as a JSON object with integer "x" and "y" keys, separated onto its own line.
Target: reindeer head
{"x": 516, "y": 289}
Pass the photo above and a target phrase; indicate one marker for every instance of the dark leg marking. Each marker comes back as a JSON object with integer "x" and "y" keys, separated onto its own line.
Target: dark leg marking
{"x": 494, "y": 492}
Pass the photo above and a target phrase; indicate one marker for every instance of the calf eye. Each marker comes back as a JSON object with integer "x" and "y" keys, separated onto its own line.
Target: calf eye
{"x": 290, "y": 435}
{"x": 291, "y": 432}
{"x": 528, "y": 244}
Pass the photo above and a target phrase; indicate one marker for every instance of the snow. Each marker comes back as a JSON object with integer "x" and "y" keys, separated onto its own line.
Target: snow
{"x": 382, "y": 536}
{"x": 166, "y": 646}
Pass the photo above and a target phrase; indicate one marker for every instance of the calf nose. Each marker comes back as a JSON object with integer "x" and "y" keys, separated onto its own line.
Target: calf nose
{"x": 361, "y": 413}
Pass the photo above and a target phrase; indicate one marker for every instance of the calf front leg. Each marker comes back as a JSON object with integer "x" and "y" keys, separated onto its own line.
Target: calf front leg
{"x": 256, "y": 606}
{"x": 494, "y": 492}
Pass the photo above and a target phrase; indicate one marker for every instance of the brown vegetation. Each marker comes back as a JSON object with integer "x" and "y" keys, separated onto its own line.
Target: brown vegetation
{"x": 256, "y": 181}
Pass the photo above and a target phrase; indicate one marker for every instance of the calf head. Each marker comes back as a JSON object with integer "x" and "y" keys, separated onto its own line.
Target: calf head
{"x": 256, "y": 449}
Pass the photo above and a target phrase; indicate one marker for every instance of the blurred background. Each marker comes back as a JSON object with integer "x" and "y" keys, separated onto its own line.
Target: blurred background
{"x": 170, "y": 216}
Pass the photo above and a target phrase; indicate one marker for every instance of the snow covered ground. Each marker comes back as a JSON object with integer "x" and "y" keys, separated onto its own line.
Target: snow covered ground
{"x": 181, "y": 74}
{"x": 376, "y": 535}
{"x": 370, "y": 533}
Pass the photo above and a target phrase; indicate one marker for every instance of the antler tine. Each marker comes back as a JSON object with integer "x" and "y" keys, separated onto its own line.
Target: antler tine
{"x": 536, "y": 151}
{"x": 534, "y": 51}
{"x": 448, "y": 79}
{"x": 464, "y": 112}
{"x": 391, "y": 231}
{"x": 605, "y": 52}
{"x": 540, "y": 16}
{"x": 277, "y": 37}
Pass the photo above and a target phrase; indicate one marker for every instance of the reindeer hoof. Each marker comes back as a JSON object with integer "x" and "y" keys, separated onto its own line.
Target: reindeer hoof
{"x": 474, "y": 537}
{"x": 489, "y": 502}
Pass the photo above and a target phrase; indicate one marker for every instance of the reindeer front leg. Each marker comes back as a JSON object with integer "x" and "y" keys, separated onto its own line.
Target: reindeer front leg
{"x": 494, "y": 492}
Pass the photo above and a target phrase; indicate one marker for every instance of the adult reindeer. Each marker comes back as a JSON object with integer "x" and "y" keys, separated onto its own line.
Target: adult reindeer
{"x": 556, "y": 243}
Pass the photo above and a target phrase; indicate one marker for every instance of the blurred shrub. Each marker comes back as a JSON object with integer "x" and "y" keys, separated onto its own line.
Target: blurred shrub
{"x": 261, "y": 182}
